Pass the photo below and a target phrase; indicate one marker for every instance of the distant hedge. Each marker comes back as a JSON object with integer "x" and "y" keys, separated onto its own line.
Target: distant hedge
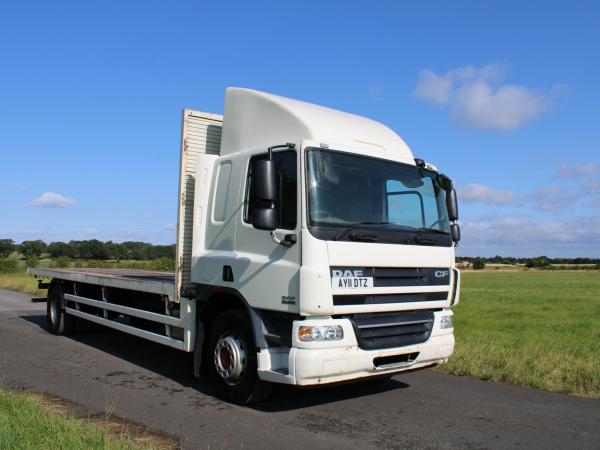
{"x": 8, "y": 265}
{"x": 538, "y": 261}
{"x": 89, "y": 249}
{"x": 95, "y": 249}
{"x": 478, "y": 264}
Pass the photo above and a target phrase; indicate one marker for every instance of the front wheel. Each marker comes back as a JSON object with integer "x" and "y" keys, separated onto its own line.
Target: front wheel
{"x": 60, "y": 322}
{"x": 231, "y": 356}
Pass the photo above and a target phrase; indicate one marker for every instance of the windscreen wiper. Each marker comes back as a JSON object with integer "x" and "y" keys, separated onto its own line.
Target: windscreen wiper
{"x": 420, "y": 231}
{"x": 352, "y": 226}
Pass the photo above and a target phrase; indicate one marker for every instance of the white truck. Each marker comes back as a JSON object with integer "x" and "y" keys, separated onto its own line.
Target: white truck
{"x": 312, "y": 248}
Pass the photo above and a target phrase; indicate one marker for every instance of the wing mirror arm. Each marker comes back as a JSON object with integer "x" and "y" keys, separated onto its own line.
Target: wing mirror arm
{"x": 288, "y": 240}
{"x": 451, "y": 205}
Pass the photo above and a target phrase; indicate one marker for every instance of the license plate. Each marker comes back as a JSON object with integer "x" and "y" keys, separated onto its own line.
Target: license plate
{"x": 351, "y": 282}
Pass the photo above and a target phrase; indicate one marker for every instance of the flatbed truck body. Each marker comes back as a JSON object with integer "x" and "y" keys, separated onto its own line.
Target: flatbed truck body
{"x": 312, "y": 248}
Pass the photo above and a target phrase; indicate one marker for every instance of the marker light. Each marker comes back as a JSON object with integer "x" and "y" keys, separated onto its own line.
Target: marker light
{"x": 446, "y": 322}
{"x": 321, "y": 333}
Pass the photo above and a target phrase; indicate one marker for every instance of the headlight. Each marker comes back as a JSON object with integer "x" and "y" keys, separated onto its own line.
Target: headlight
{"x": 321, "y": 333}
{"x": 446, "y": 322}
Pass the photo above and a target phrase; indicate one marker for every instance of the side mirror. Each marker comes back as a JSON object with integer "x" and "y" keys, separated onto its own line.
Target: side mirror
{"x": 455, "y": 231}
{"x": 264, "y": 180}
{"x": 264, "y": 219}
{"x": 452, "y": 205}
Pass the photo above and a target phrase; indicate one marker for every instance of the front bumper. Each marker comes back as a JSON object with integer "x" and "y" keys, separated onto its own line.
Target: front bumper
{"x": 330, "y": 363}
{"x": 341, "y": 364}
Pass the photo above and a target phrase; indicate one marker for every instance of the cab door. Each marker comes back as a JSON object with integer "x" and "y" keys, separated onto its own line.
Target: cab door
{"x": 268, "y": 273}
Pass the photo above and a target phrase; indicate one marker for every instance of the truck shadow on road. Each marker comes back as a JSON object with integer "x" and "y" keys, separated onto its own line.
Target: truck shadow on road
{"x": 177, "y": 367}
{"x": 286, "y": 398}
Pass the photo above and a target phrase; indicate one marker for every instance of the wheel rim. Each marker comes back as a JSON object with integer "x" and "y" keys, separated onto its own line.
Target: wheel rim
{"x": 54, "y": 311}
{"x": 230, "y": 358}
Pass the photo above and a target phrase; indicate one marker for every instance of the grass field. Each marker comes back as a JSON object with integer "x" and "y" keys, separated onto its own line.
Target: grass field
{"x": 22, "y": 282}
{"x": 29, "y": 421}
{"x": 534, "y": 328}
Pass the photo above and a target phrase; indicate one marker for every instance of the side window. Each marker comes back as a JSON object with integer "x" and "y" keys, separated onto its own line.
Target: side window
{"x": 287, "y": 171}
{"x": 222, "y": 191}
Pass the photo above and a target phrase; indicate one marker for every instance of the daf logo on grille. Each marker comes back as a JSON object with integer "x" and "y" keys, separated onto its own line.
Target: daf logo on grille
{"x": 347, "y": 273}
{"x": 441, "y": 273}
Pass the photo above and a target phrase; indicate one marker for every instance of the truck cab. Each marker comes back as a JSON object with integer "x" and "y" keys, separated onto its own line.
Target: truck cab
{"x": 338, "y": 245}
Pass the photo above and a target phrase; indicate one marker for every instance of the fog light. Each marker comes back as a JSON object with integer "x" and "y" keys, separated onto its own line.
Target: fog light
{"x": 446, "y": 322}
{"x": 321, "y": 333}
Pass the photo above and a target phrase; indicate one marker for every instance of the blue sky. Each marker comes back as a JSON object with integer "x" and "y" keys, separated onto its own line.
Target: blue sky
{"x": 502, "y": 96}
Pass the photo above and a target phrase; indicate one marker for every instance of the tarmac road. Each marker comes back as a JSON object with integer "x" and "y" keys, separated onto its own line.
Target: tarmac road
{"x": 153, "y": 385}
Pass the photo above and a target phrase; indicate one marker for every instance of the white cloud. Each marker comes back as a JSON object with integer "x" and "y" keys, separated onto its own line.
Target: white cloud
{"x": 593, "y": 188}
{"x": 52, "y": 200}
{"x": 521, "y": 236}
{"x": 476, "y": 99}
{"x": 479, "y": 105}
{"x": 440, "y": 88}
{"x": 170, "y": 227}
{"x": 550, "y": 198}
{"x": 553, "y": 198}
{"x": 433, "y": 87}
{"x": 581, "y": 170}
{"x": 478, "y": 193}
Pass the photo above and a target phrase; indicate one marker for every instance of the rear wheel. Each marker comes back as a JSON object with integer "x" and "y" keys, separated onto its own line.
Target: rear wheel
{"x": 231, "y": 356}
{"x": 60, "y": 322}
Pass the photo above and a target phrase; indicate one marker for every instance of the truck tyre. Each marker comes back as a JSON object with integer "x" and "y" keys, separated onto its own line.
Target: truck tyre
{"x": 231, "y": 357}
{"x": 59, "y": 321}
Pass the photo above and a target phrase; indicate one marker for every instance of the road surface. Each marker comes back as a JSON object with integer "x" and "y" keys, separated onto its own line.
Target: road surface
{"x": 153, "y": 385}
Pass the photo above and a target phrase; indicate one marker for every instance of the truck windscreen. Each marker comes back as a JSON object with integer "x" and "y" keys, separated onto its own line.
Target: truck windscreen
{"x": 359, "y": 198}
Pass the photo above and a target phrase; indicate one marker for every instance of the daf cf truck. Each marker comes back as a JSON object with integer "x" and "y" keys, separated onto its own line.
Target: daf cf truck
{"x": 312, "y": 248}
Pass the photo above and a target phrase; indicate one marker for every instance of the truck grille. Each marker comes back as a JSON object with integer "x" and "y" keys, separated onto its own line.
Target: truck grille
{"x": 395, "y": 276}
{"x": 376, "y": 331}
{"x": 401, "y": 276}
{"x": 346, "y": 300}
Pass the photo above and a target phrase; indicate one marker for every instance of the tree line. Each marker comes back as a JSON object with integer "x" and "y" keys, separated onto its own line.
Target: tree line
{"x": 535, "y": 261}
{"x": 88, "y": 249}
{"x": 134, "y": 250}
{"x": 538, "y": 262}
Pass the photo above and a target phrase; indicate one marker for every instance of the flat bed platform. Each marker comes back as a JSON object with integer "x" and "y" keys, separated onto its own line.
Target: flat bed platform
{"x": 137, "y": 280}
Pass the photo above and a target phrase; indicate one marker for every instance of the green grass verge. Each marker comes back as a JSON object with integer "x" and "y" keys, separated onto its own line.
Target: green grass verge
{"x": 22, "y": 282}
{"x": 537, "y": 329}
{"x": 29, "y": 422}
